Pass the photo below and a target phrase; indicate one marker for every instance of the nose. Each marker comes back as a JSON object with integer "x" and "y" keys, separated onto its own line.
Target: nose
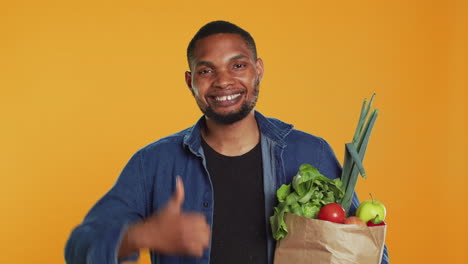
{"x": 223, "y": 80}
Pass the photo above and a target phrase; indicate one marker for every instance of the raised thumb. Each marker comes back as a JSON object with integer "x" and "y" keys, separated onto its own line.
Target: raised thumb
{"x": 179, "y": 194}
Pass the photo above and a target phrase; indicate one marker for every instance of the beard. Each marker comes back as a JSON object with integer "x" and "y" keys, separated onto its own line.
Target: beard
{"x": 232, "y": 117}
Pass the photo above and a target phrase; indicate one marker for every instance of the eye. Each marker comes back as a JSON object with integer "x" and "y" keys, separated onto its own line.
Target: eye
{"x": 239, "y": 65}
{"x": 204, "y": 71}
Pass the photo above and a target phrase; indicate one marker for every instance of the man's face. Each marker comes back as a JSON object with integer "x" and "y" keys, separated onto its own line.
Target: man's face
{"x": 225, "y": 77}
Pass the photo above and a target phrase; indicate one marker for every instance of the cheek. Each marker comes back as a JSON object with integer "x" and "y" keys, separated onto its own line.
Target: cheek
{"x": 199, "y": 85}
{"x": 249, "y": 79}
{"x": 253, "y": 82}
{"x": 197, "y": 88}
{"x": 195, "y": 92}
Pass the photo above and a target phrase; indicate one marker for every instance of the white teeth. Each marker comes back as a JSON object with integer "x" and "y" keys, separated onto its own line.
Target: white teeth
{"x": 227, "y": 97}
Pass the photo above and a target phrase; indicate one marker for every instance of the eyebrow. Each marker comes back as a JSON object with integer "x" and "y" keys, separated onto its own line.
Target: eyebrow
{"x": 204, "y": 63}
{"x": 210, "y": 64}
{"x": 237, "y": 57}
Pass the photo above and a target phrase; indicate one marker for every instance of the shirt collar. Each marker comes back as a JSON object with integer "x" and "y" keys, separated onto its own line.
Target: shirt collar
{"x": 271, "y": 128}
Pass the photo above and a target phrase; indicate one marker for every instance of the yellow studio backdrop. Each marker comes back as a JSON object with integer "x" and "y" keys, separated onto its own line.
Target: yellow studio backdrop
{"x": 85, "y": 84}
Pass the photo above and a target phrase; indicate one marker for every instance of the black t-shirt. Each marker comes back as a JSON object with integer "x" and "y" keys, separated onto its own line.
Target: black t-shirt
{"x": 239, "y": 228}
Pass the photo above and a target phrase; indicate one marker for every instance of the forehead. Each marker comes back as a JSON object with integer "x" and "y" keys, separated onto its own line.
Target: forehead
{"x": 220, "y": 46}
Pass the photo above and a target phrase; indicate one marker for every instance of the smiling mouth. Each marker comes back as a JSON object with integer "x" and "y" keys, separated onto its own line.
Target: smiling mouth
{"x": 226, "y": 97}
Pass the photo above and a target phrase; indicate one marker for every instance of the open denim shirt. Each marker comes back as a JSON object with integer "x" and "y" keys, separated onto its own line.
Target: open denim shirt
{"x": 148, "y": 181}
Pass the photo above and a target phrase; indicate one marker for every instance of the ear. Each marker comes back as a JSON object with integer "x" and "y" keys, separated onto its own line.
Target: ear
{"x": 188, "y": 80}
{"x": 260, "y": 68}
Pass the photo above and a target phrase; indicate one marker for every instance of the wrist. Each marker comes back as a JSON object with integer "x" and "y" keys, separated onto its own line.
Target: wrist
{"x": 135, "y": 236}
{"x": 130, "y": 242}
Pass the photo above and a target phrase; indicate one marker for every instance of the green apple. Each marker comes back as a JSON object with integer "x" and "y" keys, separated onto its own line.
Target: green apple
{"x": 370, "y": 210}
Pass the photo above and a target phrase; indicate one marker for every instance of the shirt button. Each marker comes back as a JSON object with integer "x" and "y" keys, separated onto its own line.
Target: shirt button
{"x": 205, "y": 204}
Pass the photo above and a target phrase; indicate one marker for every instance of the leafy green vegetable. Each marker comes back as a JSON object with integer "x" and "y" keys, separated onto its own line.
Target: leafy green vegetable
{"x": 283, "y": 192}
{"x": 311, "y": 191}
{"x": 292, "y": 199}
{"x": 310, "y": 211}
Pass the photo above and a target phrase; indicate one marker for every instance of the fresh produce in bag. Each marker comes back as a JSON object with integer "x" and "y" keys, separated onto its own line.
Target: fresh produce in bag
{"x": 313, "y": 241}
{"x": 311, "y": 191}
{"x": 311, "y": 221}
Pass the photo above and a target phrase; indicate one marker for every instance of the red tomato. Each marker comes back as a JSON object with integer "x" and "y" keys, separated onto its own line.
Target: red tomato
{"x": 332, "y": 212}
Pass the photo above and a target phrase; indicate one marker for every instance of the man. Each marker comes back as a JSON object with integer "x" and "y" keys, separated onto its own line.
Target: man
{"x": 205, "y": 194}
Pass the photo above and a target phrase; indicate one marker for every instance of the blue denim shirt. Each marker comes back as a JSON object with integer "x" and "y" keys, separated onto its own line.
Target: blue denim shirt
{"x": 148, "y": 181}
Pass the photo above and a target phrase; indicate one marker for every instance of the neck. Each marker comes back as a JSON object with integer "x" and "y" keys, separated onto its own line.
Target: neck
{"x": 234, "y": 139}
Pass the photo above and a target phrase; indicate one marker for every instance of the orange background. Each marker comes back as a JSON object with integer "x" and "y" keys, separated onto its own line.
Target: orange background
{"x": 85, "y": 84}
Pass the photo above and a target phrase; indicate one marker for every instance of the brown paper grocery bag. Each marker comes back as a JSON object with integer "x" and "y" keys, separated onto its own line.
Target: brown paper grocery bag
{"x": 315, "y": 241}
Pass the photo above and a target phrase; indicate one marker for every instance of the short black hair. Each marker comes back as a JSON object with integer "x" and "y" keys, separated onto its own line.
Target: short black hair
{"x": 217, "y": 27}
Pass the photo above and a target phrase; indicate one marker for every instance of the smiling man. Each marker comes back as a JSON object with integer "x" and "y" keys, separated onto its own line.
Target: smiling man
{"x": 205, "y": 194}
{"x": 225, "y": 78}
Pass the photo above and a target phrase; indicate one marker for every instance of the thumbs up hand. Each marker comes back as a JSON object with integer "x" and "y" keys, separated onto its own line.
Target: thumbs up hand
{"x": 177, "y": 199}
{"x": 171, "y": 230}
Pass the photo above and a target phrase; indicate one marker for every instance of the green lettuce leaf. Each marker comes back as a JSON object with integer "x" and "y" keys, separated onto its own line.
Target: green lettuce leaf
{"x": 283, "y": 192}
{"x": 310, "y": 191}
